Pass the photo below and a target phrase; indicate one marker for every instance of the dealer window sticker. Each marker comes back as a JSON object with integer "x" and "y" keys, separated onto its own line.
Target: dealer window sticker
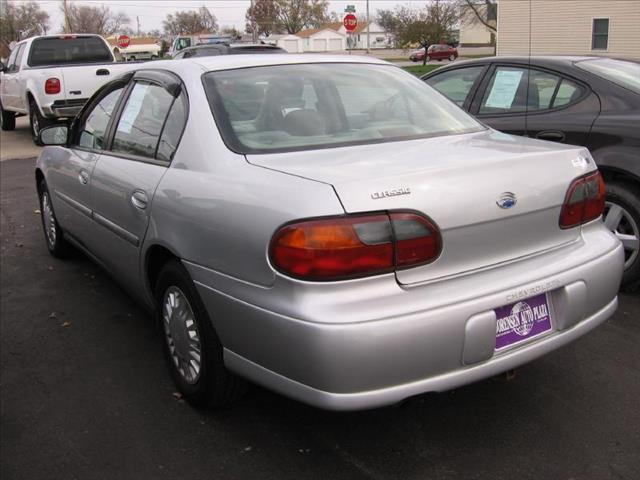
{"x": 504, "y": 88}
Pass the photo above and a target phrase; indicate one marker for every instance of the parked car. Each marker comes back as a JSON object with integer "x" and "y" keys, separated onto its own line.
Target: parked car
{"x": 329, "y": 227}
{"x": 227, "y": 49}
{"x": 185, "y": 41}
{"x": 51, "y": 77}
{"x": 435, "y": 52}
{"x": 588, "y": 101}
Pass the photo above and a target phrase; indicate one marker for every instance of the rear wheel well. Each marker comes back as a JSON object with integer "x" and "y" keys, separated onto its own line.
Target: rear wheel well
{"x": 157, "y": 256}
{"x": 619, "y": 176}
{"x": 39, "y": 179}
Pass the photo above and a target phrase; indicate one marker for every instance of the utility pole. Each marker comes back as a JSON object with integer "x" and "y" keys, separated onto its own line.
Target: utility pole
{"x": 254, "y": 34}
{"x": 368, "y": 22}
{"x": 65, "y": 9}
{"x": 138, "y": 21}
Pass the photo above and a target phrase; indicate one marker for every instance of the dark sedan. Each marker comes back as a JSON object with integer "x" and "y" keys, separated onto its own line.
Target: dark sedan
{"x": 226, "y": 49}
{"x": 590, "y": 101}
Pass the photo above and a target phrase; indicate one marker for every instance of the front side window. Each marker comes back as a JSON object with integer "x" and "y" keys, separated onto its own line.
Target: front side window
{"x": 92, "y": 133}
{"x": 600, "y": 36}
{"x": 302, "y": 107}
{"x": 456, "y": 84}
{"x": 141, "y": 122}
{"x": 13, "y": 64}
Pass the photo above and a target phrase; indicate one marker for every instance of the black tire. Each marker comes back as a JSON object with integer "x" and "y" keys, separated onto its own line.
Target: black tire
{"x": 452, "y": 58}
{"x": 215, "y": 385}
{"x": 626, "y": 196}
{"x": 37, "y": 122}
{"x": 7, "y": 120}
{"x": 53, "y": 234}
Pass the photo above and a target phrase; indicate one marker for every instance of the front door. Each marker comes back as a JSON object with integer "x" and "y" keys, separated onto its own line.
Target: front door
{"x": 72, "y": 179}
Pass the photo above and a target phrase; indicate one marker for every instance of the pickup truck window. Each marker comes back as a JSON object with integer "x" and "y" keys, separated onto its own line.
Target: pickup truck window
{"x": 15, "y": 59}
{"x": 68, "y": 50}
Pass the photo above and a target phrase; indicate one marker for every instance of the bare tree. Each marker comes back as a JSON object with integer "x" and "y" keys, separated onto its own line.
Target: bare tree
{"x": 190, "y": 22}
{"x": 482, "y": 11}
{"x": 290, "y": 16}
{"x": 22, "y": 20}
{"x": 85, "y": 19}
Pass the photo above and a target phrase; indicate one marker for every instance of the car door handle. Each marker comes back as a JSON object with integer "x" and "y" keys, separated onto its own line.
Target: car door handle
{"x": 102, "y": 71}
{"x": 83, "y": 177}
{"x": 139, "y": 199}
{"x": 552, "y": 136}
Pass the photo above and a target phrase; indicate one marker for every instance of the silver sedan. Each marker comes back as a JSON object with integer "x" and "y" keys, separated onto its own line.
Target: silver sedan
{"x": 328, "y": 227}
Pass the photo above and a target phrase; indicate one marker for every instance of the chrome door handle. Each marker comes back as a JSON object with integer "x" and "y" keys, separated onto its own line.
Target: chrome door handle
{"x": 139, "y": 199}
{"x": 83, "y": 177}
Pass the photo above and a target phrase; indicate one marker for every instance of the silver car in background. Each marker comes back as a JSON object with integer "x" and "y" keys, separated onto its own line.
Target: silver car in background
{"x": 330, "y": 228}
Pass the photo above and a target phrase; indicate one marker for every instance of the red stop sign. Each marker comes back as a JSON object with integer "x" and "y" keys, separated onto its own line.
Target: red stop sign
{"x": 350, "y": 22}
{"x": 123, "y": 41}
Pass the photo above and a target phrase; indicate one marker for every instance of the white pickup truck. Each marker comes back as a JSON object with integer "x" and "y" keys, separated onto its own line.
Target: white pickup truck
{"x": 51, "y": 77}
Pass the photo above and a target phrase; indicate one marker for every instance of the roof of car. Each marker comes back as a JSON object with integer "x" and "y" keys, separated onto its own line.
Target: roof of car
{"x": 538, "y": 59}
{"x": 242, "y": 61}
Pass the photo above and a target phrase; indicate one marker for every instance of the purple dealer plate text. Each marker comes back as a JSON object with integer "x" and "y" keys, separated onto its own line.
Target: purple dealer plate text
{"x": 522, "y": 320}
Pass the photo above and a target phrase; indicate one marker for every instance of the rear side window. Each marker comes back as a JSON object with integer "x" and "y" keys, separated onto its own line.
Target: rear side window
{"x": 92, "y": 133}
{"x": 508, "y": 93}
{"x": 456, "y": 84}
{"x": 142, "y": 119}
{"x": 68, "y": 50}
{"x": 173, "y": 128}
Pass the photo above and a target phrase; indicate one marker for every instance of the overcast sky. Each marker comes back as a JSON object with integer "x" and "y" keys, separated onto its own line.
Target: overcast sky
{"x": 228, "y": 12}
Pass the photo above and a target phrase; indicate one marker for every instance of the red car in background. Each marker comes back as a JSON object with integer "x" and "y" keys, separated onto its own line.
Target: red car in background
{"x": 435, "y": 52}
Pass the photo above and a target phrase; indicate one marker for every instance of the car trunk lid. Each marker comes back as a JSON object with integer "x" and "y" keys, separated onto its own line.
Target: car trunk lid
{"x": 467, "y": 184}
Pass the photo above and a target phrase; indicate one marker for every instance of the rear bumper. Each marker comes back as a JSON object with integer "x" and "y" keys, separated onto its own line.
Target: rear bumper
{"x": 64, "y": 108}
{"x": 365, "y": 344}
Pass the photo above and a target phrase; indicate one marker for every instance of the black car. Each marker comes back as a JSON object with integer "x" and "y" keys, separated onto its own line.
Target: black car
{"x": 212, "y": 50}
{"x": 589, "y": 101}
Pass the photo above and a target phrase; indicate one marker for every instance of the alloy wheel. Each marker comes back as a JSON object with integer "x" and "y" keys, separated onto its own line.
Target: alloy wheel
{"x": 182, "y": 335}
{"x": 622, "y": 224}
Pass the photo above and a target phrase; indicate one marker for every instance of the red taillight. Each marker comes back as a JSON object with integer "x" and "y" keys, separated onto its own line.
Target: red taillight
{"x": 354, "y": 246}
{"x": 52, "y": 86}
{"x": 584, "y": 201}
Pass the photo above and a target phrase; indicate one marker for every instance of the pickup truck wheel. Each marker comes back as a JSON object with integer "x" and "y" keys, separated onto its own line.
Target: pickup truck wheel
{"x": 191, "y": 345}
{"x": 622, "y": 217}
{"x": 37, "y": 122}
{"x": 7, "y": 120}
{"x": 57, "y": 245}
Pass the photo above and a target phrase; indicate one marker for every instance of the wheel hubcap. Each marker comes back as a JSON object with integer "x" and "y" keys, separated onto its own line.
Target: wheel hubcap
{"x": 621, "y": 223}
{"x": 181, "y": 332}
{"x": 49, "y": 220}
{"x": 34, "y": 124}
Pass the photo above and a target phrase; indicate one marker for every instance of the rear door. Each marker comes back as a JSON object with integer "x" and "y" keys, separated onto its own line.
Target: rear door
{"x": 143, "y": 139}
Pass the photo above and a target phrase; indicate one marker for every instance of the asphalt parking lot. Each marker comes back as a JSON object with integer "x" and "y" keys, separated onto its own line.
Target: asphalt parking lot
{"x": 84, "y": 394}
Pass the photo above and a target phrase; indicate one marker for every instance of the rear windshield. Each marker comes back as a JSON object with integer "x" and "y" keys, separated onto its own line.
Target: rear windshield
{"x": 625, "y": 74}
{"x": 302, "y": 107}
{"x": 66, "y": 51}
{"x": 256, "y": 49}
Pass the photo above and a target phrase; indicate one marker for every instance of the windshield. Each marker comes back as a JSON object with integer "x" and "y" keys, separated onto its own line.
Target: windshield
{"x": 301, "y": 107}
{"x": 625, "y": 74}
{"x": 68, "y": 50}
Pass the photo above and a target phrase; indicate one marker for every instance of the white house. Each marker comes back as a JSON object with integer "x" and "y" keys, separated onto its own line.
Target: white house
{"x": 291, "y": 43}
{"x": 322, "y": 40}
{"x": 378, "y": 38}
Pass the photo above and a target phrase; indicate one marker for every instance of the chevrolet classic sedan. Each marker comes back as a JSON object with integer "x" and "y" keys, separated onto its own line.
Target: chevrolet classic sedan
{"x": 331, "y": 228}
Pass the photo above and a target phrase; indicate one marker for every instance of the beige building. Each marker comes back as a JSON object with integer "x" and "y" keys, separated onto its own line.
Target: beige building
{"x": 569, "y": 27}
{"x": 474, "y": 33}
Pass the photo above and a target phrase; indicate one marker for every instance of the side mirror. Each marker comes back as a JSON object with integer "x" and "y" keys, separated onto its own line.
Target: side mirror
{"x": 54, "y": 135}
{"x": 3, "y": 67}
